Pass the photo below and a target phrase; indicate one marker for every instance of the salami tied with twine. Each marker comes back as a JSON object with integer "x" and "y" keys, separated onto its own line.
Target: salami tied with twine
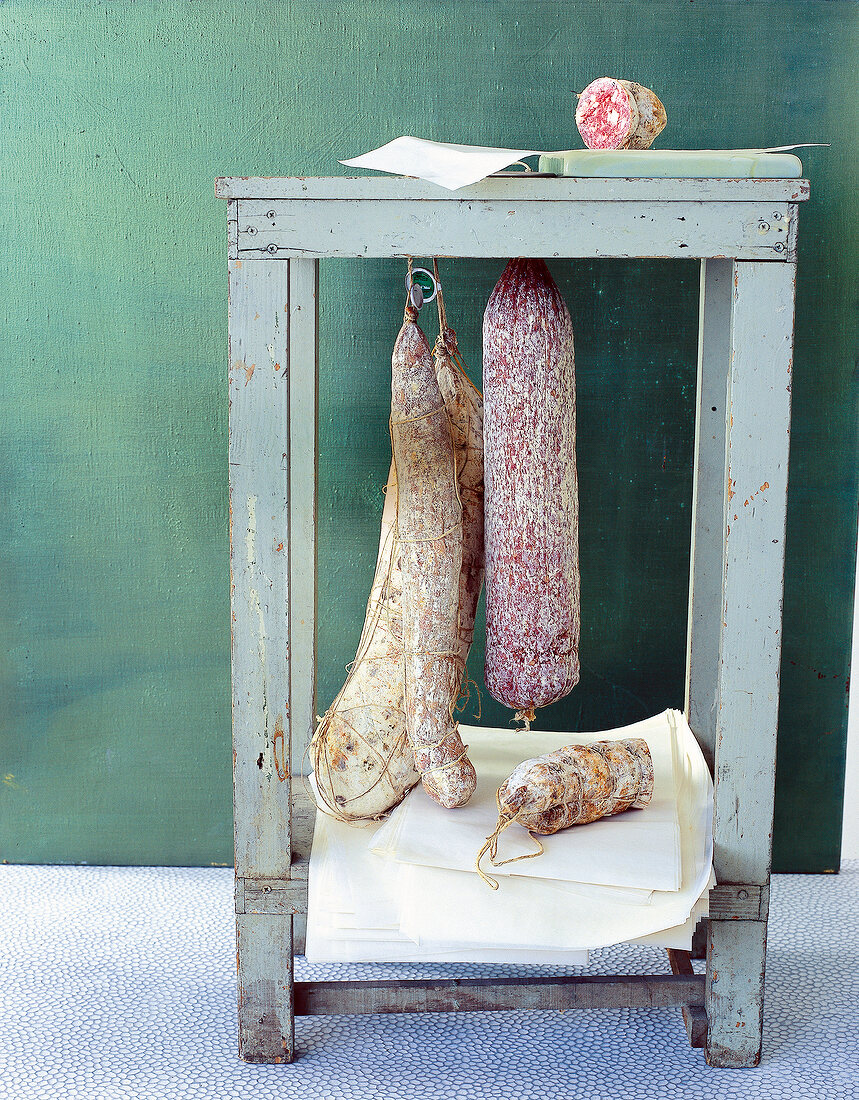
{"x": 430, "y": 534}
{"x": 363, "y": 762}
{"x": 570, "y": 786}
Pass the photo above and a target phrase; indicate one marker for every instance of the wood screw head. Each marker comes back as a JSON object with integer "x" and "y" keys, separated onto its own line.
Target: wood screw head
{"x": 764, "y": 226}
{"x": 251, "y": 230}
{"x": 272, "y": 248}
{"x": 269, "y": 214}
{"x": 742, "y": 894}
{"x": 778, "y": 247}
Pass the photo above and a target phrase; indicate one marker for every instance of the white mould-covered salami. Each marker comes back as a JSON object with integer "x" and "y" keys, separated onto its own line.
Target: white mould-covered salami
{"x": 429, "y": 529}
{"x": 465, "y": 418}
{"x": 571, "y": 786}
{"x": 531, "y": 495}
{"x": 363, "y": 763}
{"x": 651, "y": 115}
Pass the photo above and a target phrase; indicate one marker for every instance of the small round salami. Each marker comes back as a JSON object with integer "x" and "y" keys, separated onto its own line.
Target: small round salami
{"x": 606, "y": 114}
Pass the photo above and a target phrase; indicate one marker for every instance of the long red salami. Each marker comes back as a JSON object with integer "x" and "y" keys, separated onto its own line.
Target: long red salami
{"x": 531, "y": 495}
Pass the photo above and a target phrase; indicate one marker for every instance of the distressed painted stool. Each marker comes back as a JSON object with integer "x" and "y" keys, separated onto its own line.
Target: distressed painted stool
{"x": 744, "y": 232}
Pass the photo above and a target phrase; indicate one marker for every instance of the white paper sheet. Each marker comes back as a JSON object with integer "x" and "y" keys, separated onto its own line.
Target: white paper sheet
{"x": 450, "y": 166}
{"x": 454, "y": 166}
{"x": 639, "y": 849}
{"x": 457, "y": 905}
{"x": 366, "y": 909}
{"x": 353, "y": 910}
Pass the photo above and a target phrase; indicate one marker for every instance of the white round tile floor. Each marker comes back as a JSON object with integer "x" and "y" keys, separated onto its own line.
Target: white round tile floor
{"x": 119, "y": 984}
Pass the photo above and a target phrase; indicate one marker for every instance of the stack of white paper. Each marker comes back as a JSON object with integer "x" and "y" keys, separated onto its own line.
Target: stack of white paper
{"x": 408, "y": 891}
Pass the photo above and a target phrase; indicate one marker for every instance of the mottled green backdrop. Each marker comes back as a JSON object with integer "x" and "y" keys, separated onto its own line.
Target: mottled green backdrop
{"x": 116, "y": 117}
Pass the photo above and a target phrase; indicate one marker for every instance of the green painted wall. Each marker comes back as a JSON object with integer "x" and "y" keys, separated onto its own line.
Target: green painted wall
{"x": 115, "y": 119}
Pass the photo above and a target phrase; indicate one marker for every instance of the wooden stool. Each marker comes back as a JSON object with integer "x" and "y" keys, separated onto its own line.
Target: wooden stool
{"x": 744, "y": 232}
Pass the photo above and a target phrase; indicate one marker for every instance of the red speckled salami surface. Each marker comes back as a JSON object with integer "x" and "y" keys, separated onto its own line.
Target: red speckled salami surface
{"x": 531, "y": 497}
{"x": 606, "y": 114}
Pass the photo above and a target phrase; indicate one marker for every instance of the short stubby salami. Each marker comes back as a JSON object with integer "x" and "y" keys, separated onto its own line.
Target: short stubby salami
{"x": 531, "y": 496}
{"x": 574, "y": 785}
{"x": 606, "y": 114}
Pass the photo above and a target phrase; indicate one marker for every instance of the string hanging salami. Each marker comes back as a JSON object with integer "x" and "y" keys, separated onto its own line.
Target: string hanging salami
{"x": 570, "y": 786}
{"x": 531, "y": 494}
{"x": 362, "y": 759}
{"x": 429, "y": 529}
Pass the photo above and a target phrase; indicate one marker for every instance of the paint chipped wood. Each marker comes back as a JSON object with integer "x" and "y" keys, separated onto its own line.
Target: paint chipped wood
{"x": 266, "y": 987}
{"x": 734, "y": 992}
{"x": 562, "y": 189}
{"x": 706, "y": 558}
{"x": 302, "y": 363}
{"x": 259, "y": 523}
{"x": 550, "y": 994}
{"x": 453, "y": 226}
{"x": 735, "y": 590}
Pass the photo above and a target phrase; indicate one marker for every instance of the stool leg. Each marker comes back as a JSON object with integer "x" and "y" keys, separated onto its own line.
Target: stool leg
{"x": 736, "y": 959}
{"x": 266, "y": 987}
{"x": 757, "y": 431}
{"x": 260, "y": 529}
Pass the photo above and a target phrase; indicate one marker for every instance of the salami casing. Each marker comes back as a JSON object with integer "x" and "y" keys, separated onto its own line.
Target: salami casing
{"x": 363, "y": 763}
{"x": 465, "y": 418}
{"x": 531, "y": 495}
{"x": 429, "y": 529}
{"x": 571, "y": 786}
{"x": 652, "y": 118}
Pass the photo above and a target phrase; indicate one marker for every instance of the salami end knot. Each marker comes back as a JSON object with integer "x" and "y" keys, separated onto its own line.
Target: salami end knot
{"x": 526, "y": 717}
{"x": 506, "y": 816}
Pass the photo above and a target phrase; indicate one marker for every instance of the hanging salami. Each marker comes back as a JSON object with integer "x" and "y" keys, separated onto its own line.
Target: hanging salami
{"x": 531, "y": 496}
{"x": 429, "y": 529}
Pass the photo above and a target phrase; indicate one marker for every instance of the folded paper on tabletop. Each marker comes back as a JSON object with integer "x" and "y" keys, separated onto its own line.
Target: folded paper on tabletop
{"x": 453, "y": 166}
{"x": 353, "y": 911}
{"x": 639, "y": 849}
{"x": 450, "y": 166}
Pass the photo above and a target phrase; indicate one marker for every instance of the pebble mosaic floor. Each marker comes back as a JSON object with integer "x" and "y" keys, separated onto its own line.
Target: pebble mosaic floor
{"x": 119, "y": 984}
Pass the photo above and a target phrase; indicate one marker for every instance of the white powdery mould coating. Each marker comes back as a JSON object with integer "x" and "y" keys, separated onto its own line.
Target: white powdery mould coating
{"x": 531, "y": 495}
{"x": 429, "y": 527}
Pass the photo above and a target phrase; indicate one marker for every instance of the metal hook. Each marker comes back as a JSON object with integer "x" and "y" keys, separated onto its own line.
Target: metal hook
{"x": 421, "y": 287}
